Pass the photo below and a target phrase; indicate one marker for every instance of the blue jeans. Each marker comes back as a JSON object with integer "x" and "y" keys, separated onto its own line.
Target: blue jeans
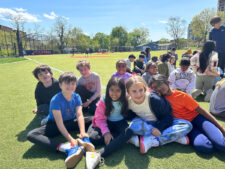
{"x": 179, "y": 128}
{"x": 205, "y": 136}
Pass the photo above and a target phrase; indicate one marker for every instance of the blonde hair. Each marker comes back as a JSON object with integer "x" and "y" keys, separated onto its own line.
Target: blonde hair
{"x": 81, "y": 63}
{"x": 220, "y": 83}
{"x": 135, "y": 80}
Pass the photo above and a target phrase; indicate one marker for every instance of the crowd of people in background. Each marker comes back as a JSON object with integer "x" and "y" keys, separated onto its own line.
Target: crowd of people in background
{"x": 149, "y": 101}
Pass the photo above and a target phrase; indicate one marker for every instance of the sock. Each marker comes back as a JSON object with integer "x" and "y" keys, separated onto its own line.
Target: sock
{"x": 62, "y": 147}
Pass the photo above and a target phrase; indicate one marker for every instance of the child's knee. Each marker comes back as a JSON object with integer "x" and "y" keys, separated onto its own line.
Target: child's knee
{"x": 31, "y": 135}
{"x": 203, "y": 146}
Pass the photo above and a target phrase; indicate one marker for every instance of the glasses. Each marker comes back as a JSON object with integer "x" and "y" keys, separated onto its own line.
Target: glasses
{"x": 158, "y": 87}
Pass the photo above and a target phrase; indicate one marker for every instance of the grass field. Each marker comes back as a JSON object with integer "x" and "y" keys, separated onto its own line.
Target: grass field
{"x": 16, "y": 118}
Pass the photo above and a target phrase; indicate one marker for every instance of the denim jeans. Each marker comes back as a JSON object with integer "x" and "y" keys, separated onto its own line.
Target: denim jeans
{"x": 179, "y": 128}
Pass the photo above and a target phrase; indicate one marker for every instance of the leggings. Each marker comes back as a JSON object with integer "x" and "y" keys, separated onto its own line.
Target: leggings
{"x": 45, "y": 134}
{"x": 205, "y": 136}
{"x": 120, "y": 132}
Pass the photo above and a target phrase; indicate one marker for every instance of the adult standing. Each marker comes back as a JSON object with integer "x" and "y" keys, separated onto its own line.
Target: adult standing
{"x": 217, "y": 34}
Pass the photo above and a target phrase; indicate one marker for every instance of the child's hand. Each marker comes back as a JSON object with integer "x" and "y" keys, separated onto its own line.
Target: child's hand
{"x": 86, "y": 104}
{"x": 156, "y": 132}
{"x": 82, "y": 135}
{"x": 223, "y": 131}
{"x": 108, "y": 137}
{"x": 35, "y": 111}
{"x": 74, "y": 142}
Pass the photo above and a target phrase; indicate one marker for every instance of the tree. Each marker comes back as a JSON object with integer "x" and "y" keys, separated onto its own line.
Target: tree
{"x": 176, "y": 28}
{"x": 138, "y": 36}
{"x": 18, "y": 23}
{"x": 61, "y": 29}
{"x": 119, "y": 33}
{"x": 164, "y": 40}
{"x": 103, "y": 40}
{"x": 200, "y": 24}
{"x": 78, "y": 39}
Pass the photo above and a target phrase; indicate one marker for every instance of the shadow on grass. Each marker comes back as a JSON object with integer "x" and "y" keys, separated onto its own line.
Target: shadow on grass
{"x": 22, "y": 136}
{"x": 131, "y": 155}
{"x": 40, "y": 152}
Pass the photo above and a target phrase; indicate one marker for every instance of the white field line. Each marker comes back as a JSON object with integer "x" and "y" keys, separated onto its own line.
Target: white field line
{"x": 104, "y": 87}
{"x": 13, "y": 62}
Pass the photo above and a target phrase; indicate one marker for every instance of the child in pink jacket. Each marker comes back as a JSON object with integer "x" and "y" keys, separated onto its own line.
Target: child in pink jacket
{"x": 109, "y": 127}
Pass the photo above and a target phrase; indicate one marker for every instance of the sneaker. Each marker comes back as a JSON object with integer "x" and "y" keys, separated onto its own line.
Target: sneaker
{"x": 196, "y": 93}
{"x": 74, "y": 155}
{"x": 146, "y": 142}
{"x": 93, "y": 159}
{"x": 44, "y": 121}
{"x": 183, "y": 140}
{"x": 208, "y": 95}
{"x": 86, "y": 143}
{"x": 134, "y": 140}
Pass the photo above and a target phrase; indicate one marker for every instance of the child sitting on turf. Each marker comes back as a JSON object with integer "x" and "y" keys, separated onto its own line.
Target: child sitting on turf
{"x": 207, "y": 134}
{"x": 46, "y": 88}
{"x": 155, "y": 123}
{"x": 217, "y": 101}
{"x": 183, "y": 78}
{"x": 88, "y": 86}
{"x": 163, "y": 66}
{"x": 109, "y": 127}
{"x": 130, "y": 59}
{"x": 151, "y": 69}
{"x": 65, "y": 114}
{"x": 172, "y": 64}
{"x": 139, "y": 65}
{"x": 121, "y": 67}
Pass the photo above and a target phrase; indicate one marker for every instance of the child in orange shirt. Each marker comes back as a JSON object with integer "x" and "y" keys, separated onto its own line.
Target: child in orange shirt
{"x": 207, "y": 134}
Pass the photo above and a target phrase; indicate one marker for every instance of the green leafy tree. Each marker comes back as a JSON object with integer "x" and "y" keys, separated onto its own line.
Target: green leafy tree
{"x": 119, "y": 33}
{"x": 164, "y": 40}
{"x": 103, "y": 40}
{"x": 138, "y": 36}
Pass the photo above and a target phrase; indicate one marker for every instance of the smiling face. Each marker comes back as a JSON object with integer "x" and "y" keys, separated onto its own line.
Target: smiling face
{"x": 44, "y": 76}
{"x": 84, "y": 71}
{"x": 121, "y": 68}
{"x": 137, "y": 92}
{"x": 115, "y": 92}
{"x": 153, "y": 69}
{"x": 68, "y": 88}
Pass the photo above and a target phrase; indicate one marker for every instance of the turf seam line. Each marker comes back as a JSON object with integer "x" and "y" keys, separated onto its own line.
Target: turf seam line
{"x": 43, "y": 63}
{"x": 13, "y": 62}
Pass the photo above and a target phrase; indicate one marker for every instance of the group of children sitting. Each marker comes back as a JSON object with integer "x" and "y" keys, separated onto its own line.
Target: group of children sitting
{"x": 146, "y": 106}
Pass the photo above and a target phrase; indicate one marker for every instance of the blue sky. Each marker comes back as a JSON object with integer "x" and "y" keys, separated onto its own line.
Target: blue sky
{"x": 94, "y": 16}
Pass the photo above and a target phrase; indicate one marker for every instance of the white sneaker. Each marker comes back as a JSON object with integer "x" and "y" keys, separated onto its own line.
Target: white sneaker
{"x": 134, "y": 140}
{"x": 196, "y": 93}
{"x": 183, "y": 140}
{"x": 208, "y": 95}
{"x": 146, "y": 142}
{"x": 93, "y": 159}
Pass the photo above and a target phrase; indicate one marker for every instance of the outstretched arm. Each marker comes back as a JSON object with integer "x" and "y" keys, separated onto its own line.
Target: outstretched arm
{"x": 59, "y": 122}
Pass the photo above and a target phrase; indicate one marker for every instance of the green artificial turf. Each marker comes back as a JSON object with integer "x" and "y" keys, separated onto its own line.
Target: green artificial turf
{"x": 17, "y": 86}
{"x": 11, "y": 59}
